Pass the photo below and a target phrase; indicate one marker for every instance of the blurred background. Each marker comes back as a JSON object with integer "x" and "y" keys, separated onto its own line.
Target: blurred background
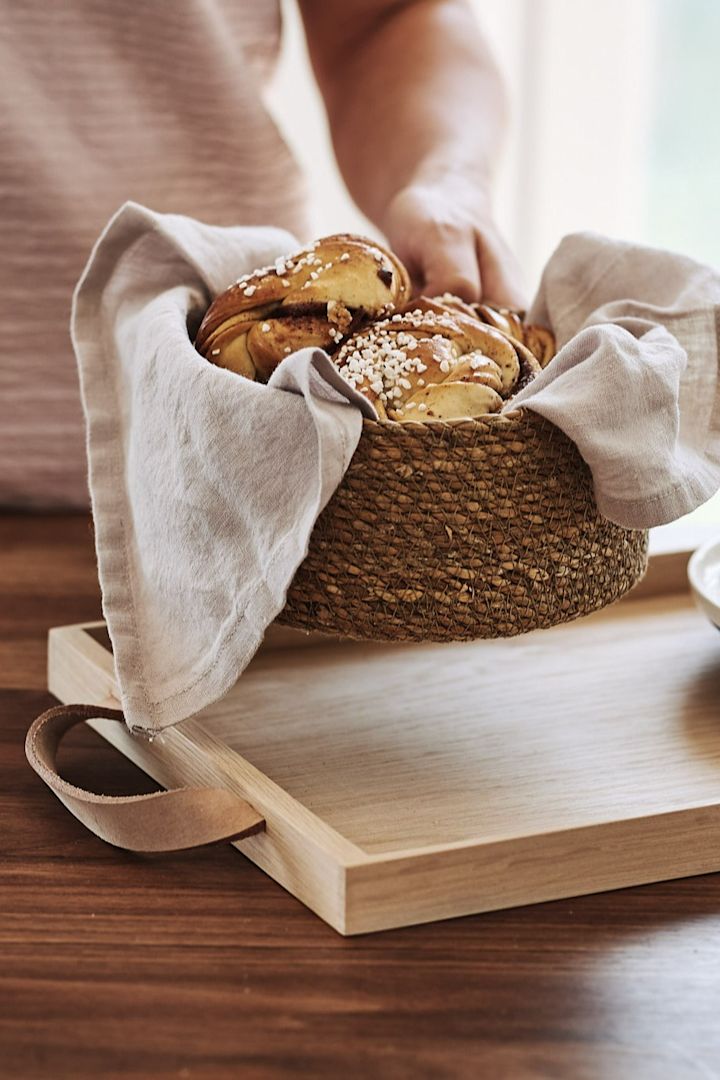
{"x": 612, "y": 126}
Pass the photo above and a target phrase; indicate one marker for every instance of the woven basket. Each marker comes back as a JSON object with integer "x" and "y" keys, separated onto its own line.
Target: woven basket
{"x": 459, "y": 530}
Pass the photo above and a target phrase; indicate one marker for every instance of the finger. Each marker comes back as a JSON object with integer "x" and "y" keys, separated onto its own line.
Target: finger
{"x": 501, "y": 277}
{"x": 450, "y": 264}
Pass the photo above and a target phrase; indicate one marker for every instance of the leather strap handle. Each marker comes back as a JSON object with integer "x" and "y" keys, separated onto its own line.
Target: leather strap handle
{"x": 162, "y": 821}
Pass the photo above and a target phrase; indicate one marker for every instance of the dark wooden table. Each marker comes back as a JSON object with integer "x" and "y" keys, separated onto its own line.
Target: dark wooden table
{"x": 197, "y": 965}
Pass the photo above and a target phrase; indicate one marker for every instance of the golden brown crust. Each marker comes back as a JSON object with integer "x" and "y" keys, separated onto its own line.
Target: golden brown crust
{"x": 272, "y": 338}
{"x": 319, "y": 292}
{"x": 435, "y": 359}
{"x": 400, "y": 363}
{"x": 538, "y": 339}
{"x": 541, "y": 343}
{"x": 447, "y": 304}
{"x": 505, "y": 320}
{"x": 423, "y": 359}
{"x": 450, "y": 401}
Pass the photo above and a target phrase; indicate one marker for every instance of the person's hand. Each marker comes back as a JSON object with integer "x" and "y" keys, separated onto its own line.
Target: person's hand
{"x": 446, "y": 236}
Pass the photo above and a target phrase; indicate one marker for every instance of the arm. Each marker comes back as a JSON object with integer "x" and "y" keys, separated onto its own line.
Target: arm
{"x": 416, "y": 110}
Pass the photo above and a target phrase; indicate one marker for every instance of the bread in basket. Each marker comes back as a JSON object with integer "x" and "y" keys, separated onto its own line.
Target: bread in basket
{"x": 454, "y": 520}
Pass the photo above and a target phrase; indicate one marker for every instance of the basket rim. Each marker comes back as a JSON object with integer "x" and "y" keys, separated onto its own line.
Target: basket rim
{"x": 471, "y": 423}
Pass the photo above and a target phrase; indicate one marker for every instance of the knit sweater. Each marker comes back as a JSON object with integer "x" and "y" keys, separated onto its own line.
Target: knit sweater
{"x": 159, "y": 102}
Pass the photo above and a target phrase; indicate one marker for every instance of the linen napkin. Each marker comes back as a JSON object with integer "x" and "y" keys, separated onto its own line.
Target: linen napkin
{"x": 635, "y": 381}
{"x": 205, "y": 487}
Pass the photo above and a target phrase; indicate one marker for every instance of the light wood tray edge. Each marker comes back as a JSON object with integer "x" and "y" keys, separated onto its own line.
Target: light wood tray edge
{"x": 81, "y": 670}
{"x": 475, "y": 877}
{"x": 352, "y": 890}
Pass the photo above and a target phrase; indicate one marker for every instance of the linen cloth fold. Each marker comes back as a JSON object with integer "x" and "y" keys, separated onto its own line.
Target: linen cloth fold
{"x": 205, "y": 487}
{"x": 635, "y": 381}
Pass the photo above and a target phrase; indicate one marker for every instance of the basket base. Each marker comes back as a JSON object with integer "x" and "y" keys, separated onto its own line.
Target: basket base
{"x": 474, "y": 617}
{"x": 461, "y": 531}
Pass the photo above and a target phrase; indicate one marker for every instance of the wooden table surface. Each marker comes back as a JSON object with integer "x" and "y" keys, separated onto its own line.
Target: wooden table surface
{"x": 197, "y": 965}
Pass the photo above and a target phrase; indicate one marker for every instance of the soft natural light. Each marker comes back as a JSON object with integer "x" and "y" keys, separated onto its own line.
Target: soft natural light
{"x": 611, "y": 127}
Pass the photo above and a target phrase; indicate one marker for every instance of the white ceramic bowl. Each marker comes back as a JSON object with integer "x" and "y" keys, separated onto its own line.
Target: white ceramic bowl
{"x": 704, "y": 575}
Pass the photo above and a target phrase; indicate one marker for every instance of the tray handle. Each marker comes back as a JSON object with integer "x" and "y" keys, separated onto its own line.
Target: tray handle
{"x": 172, "y": 820}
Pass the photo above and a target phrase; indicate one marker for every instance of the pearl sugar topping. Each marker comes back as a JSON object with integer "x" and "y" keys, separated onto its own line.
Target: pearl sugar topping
{"x": 383, "y": 357}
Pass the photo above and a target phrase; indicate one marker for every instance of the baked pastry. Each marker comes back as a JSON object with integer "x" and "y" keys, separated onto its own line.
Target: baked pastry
{"x": 538, "y": 339}
{"x": 433, "y": 358}
{"x": 317, "y": 296}
{"x": 434, "y": 362}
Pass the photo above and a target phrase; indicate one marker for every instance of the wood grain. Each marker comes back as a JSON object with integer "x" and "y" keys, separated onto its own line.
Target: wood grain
{"x": 199, "y": 966}
{"x": 419, "y": 745}
{"x": 408, "y": 784}
{"x": 47, "y": 570}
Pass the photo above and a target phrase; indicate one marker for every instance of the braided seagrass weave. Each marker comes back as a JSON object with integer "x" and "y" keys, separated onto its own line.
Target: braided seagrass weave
{"x": 458, "y": 530}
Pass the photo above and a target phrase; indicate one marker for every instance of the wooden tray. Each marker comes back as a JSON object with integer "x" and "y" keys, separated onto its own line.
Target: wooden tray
{"x": 406, "y": 783}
